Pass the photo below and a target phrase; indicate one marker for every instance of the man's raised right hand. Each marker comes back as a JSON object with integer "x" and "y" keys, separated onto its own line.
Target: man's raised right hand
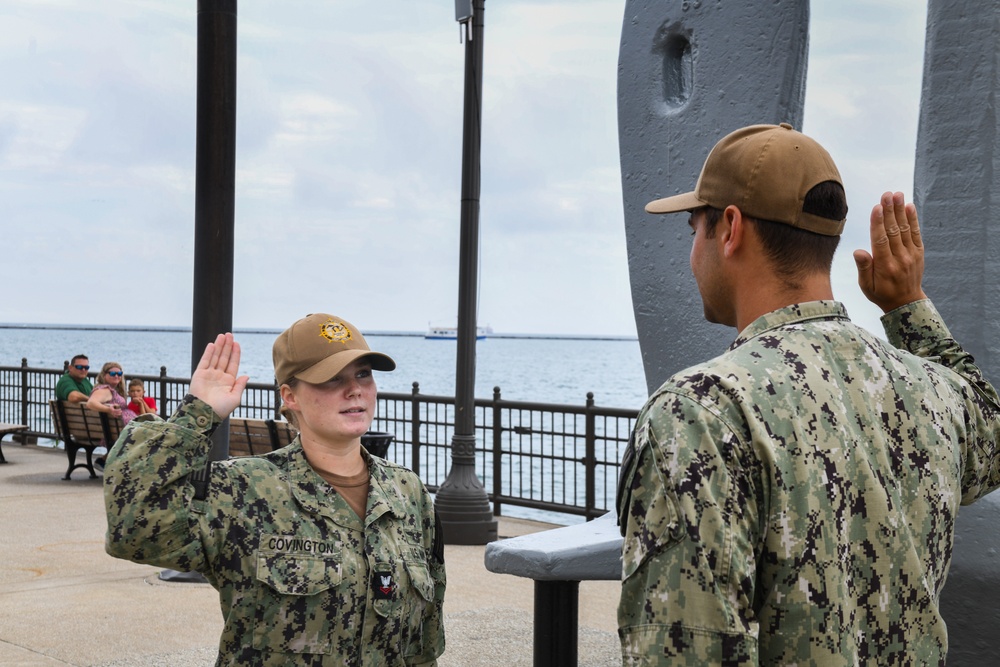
{"x": 890, "y": 276}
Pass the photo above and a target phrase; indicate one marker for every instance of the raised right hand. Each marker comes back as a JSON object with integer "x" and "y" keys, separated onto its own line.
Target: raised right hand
{"x": 890, "y": 276}
{"x": 215, "y": 380}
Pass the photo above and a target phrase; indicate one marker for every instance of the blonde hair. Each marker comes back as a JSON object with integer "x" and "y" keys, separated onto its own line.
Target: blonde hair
{"x": 102, "y": 377}
{"x": 289, "y": 416}
{"x": 283, "y": 410}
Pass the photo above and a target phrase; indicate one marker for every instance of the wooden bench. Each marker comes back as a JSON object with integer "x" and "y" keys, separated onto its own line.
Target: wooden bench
{"x": 282, "y": 433}
{"x": 9, "y": 428}
{"x": 81, "y": 428}
{"x": 253, "y": 437}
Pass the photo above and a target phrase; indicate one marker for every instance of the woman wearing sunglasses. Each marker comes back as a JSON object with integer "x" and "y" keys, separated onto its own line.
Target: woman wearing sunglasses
{"x": 109, "y": 394}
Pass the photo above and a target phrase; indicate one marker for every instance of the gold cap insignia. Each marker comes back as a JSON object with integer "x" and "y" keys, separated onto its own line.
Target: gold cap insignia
{"x": 335, "y": 331}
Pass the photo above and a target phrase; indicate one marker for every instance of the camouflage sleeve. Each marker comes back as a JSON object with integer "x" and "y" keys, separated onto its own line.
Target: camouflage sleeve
{"x": 689, "y": 524}
{"x": 919, "y": 328}
{"x": 147, "y": 493}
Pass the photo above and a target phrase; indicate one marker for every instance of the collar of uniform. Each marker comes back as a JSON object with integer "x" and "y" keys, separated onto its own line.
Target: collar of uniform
{"x": 311, "y": 490}
{"x": 794, "y": 314}
{"x": 384, "y": 494}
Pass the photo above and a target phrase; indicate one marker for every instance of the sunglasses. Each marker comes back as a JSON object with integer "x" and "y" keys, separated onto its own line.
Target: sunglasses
{"x": 115, "y": 374}
{"x": 80, "y": 367}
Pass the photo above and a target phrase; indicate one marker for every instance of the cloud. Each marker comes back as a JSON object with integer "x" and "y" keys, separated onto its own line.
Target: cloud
{"x": 349, "y": 145}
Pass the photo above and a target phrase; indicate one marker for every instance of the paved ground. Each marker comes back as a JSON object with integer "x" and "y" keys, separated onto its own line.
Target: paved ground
{"x": 66, "y": 602}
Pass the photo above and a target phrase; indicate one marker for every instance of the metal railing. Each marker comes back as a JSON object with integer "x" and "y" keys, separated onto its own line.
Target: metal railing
{"x": 545, "y": 456}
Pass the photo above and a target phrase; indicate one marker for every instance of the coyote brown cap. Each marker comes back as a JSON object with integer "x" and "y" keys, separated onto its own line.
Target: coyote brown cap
{"x": 765, "y": 171}
{"x": 319, "y": 346}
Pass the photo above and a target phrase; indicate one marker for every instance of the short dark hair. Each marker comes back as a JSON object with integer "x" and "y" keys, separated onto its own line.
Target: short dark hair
{"x": 795, "y": 251}
{"x": 78, "y": 357}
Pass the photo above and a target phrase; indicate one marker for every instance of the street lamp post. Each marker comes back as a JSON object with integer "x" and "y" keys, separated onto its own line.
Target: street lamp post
{"x": 461, "y": 501}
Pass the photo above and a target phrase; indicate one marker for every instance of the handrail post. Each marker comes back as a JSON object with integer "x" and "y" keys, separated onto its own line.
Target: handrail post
{"x": 163, "y": 392}
{"x": 415, "y": 426}
{"x": 24, "y": 399}
{"x": 497, "y": 448}
{"x": 589, "y": 459}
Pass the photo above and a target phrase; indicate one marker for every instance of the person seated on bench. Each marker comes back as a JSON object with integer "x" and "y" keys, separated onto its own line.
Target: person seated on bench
{"x": 322, "y": 554}
{"x": 74, "y": 385}
{"x": 109, "y": 396}
{"x": 140, "y": 403}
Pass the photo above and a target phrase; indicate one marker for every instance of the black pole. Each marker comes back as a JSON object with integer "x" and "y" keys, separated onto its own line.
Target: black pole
{"x": 214, "y": 205}
{"x": 461, "y": 501}
{"x": 557, "y": 612}
{"x": 215, "y": 187}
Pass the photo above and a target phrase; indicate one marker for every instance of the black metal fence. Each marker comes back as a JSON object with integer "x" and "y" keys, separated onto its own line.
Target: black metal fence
{"x": 545, "y": 456}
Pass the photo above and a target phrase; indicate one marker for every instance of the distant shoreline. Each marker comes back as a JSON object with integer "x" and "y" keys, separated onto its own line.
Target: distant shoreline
{"x": 257, "y": 330}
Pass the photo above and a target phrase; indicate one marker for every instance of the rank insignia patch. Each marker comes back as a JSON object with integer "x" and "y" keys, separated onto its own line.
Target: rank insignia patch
{"x": 383, "y": 585}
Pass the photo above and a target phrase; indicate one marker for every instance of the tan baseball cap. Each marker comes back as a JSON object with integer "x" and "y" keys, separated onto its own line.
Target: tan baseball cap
{"x": 766, "y": 171}
{"x": 319, "y": 346}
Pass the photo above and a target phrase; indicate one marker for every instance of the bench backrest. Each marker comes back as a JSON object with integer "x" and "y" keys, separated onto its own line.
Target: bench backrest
{"x": 248, "y": 437}
{"x": 252, "y": 437}
{"x": 282, "y": 433}
{"x": 112, "y": 428}
{"x": 85, "y": 426}
{"x": 56, "y": 421}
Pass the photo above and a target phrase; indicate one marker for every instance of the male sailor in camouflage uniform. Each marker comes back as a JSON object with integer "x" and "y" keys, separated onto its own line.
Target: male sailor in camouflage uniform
{"x": 323, "y": 555}
{"x": 793, "y": 501}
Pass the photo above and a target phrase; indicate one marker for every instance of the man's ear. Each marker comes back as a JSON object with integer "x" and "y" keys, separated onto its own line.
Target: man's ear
{"x": 733, "y": 230}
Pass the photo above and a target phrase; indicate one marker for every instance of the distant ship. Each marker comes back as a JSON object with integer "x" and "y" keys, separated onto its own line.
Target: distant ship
{"x": 451, "y": 333}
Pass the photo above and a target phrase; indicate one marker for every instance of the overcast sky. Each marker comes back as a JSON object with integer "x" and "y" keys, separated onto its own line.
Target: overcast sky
{"x": 349, "y": 139}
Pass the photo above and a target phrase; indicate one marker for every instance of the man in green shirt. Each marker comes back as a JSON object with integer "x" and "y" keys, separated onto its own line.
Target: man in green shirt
{"x": 793, "y": 500}
{"x": 74, "y": 386}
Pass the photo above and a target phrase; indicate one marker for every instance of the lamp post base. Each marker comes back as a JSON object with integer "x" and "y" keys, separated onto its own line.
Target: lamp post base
{"x": 465, "y": 518}
{"x": 462, "y": 503}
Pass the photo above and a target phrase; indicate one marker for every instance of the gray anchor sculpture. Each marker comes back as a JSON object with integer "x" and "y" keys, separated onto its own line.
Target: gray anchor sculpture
{"x": 956, "y": 183}
{"x": 682, "y": 86}
{"x": 687, "y": 77}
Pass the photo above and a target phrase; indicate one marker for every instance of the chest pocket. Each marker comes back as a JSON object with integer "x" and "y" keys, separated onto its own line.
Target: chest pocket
{"x": 298, "y": 601}
{"x": 407, "y": 607}
{"x": 414, "y": 586}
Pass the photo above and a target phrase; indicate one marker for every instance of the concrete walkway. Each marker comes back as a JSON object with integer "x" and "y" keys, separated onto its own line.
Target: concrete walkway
{"x": 65, "y": 602}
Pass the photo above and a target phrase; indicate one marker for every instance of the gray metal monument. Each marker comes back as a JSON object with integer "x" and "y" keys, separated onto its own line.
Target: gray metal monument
{"x": 685, "y": 79}
{"x": 956, "y": 184}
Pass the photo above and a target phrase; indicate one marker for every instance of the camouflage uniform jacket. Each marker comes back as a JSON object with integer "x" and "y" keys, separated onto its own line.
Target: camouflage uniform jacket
{"x": 793, "y": 501}
{"x": 301, "y": 579}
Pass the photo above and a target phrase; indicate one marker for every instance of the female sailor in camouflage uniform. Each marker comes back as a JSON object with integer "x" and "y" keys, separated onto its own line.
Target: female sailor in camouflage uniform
{"x": 322, "y": 554}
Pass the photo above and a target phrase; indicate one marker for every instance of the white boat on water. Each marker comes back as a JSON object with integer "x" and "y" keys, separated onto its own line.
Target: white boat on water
{"x": 451, "y": 333}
